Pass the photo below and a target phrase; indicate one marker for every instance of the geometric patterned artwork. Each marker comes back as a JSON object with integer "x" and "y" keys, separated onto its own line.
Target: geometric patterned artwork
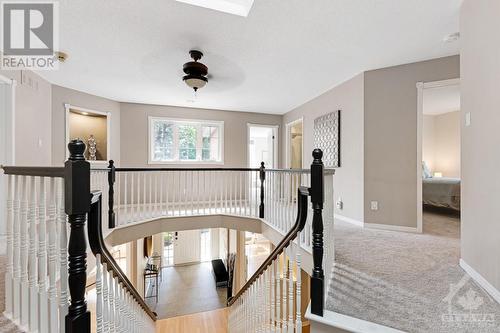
{"x": 327, "y": 138}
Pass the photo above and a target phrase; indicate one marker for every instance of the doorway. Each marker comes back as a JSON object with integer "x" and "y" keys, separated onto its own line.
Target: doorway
{"x": 186, "y": 247}
{"x": 262, "y": 145}
{"x": 438, "y": 148}
{"x": 294, "y": 144}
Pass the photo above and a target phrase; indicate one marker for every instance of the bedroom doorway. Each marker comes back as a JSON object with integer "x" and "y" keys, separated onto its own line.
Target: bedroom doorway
{"x": 438, "y": 176}
{"x": 294, "y": 144}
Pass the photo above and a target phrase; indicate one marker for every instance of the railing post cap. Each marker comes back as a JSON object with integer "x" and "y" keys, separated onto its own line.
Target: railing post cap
{"x": 262, "y": 164}
{"x": 111, "y": 163}
{"x": 317, "y": 154}
{"x": 76, "y": 149}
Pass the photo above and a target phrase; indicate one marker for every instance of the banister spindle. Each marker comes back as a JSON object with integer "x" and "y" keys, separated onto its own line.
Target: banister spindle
{"x": 77, "y": 205}
{"x": 10, "y": 250}
{"x": 317, "y": 199}
{"x": 24, "y": 253}
{"x": 262, "y": 174}
{"x": 111, "y": 194}
{"x": 32, "y": 267}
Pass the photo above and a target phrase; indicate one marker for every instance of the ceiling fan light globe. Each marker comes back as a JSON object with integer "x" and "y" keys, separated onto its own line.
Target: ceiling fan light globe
{"x": 195, "y": 83}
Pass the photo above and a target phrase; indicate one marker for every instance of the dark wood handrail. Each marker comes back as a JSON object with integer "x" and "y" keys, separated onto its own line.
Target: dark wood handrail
{"x": 33, "y": 171}
{"x": 327, "y": 171}
{"x": 98, "y": 246}
{"x": 303, "y": 193}
{"x": 184, "y": 169}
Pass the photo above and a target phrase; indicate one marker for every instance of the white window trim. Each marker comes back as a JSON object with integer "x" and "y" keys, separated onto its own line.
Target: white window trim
{"x": 219, "y": 123}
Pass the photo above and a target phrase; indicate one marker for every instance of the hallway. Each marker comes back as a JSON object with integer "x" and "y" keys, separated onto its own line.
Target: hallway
{"x": 186, "y": 290}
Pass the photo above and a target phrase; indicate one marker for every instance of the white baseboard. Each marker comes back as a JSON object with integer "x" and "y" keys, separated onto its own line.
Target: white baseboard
{"x": 495, "y": 293}
{"x": 331, "y": 320}
{"x": 391, "y": 227}
{"x": 349, "y": 220}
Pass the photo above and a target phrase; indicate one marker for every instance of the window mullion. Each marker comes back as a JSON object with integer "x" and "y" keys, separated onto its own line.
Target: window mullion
{"x": 199, "y": 140}
{"x": 176, "y": 142}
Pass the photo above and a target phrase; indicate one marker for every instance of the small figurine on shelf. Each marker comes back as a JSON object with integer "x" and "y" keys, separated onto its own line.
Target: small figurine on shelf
{"x": 92, "y": 144}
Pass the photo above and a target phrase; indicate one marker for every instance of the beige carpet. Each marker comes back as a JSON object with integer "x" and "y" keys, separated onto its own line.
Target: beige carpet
{"x": 402, "y": 280}
{"x": 6, "y": 326}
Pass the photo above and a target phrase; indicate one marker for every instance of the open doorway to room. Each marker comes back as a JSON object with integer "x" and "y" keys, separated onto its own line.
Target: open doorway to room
{"x": 439, "y": 138}
{"x": 294, "y": 144}
{"x": 262, "y": 145}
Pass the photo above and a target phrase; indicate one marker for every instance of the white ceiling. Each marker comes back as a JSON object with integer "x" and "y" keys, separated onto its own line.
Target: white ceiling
{"x": 280, "y": 56}
{"x": 441, "y": 100}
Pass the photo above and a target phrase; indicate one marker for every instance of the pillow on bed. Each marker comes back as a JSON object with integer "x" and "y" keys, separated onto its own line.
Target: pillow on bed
{"x": 426, "y": 173}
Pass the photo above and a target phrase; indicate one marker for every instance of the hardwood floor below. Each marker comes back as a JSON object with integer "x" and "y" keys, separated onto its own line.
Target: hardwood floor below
{"x": 204, "y": 322}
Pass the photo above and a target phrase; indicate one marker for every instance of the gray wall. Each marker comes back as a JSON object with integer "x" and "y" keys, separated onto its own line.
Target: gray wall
{"x": 348, "y": 179}
{"x": 480, "y": 68}
{"x": 32, "y": 118}
{"x": 390, "y": 164}
{"x": 134, "y": 131}
{"x": 60, "y": 96}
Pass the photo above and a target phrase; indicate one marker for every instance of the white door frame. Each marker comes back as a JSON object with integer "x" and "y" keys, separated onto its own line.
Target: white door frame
{"x": 12, "y": 114}
{"x": 10, "y": 152}
{"x": 275, "y": 148}
{"x": 421, "y": 86}
{"x": 287, "y": 143}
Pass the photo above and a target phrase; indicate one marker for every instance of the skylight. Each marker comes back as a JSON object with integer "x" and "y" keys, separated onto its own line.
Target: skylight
{"x": 235, "y": 7}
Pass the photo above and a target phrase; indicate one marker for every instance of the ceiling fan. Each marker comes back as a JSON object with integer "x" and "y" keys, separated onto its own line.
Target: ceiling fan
{"x": 196, "y": 72}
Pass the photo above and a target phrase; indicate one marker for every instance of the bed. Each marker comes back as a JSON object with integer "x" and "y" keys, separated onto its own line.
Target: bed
{"x": 441, "y": 192}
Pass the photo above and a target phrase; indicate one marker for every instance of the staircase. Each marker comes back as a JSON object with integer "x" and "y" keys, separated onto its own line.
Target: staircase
{"x": 52, "y": 211}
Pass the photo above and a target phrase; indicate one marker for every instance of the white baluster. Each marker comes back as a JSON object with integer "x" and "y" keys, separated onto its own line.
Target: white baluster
{"x": 10, "y": 249}
{"x": 63, "y": 255}
{"x": 43, "y": 299}
{"x": 105, "y": 296}
{"x": 24, "y": 254}
{"x": 298, "y": 320}
{"x": 278, "y": 293}
{"x": 32, "y": 268}
{"x": 99, "y": 294}
{"x": 291, "y": 314}
{"x": 162, "y": 188}
{"x": 112, "y": 302}
{"x": 51, "y": 227}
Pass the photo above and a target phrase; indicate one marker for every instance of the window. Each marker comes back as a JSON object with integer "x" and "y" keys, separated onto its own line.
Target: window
{"x": 191, "y": 141}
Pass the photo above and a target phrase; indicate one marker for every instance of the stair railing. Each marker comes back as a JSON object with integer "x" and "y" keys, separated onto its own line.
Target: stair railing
{"x": 119, "y": 307}
{"x": 271, "y": 299}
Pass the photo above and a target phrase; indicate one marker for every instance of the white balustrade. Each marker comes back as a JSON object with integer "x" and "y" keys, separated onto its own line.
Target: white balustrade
{"x": 272, "y": 303}
{"x": 116, "y": 309}
{"x": 36, "y": 269}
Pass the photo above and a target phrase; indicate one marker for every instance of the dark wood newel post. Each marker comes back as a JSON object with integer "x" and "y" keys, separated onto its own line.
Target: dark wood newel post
{"x": 111, "y": 194}
{"x": 262, "y": 173}
{"x": 77, "y": 205}
{"x": 317, "y": 198}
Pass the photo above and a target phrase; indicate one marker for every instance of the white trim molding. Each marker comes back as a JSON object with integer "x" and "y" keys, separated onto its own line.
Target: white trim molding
{"x": 421, "y": 86}
{"x": 494, "y": 292}
{"x": 349, "y": 220}
{"x": 276, "y": 129}
{"x": 332, "y": 319}
{"x": 197, "y": 122}
{"x": 391, "y": 227}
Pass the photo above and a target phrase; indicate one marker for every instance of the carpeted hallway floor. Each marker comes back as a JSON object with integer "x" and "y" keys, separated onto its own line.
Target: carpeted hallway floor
{"x": 403, "y": 280}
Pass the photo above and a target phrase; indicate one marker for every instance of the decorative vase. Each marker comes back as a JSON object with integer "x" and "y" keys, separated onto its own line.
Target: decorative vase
{"x": 92, "y": 144}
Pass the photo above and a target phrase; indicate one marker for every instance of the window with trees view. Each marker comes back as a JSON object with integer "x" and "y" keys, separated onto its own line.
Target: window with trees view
{"x": 195, "y": 141}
